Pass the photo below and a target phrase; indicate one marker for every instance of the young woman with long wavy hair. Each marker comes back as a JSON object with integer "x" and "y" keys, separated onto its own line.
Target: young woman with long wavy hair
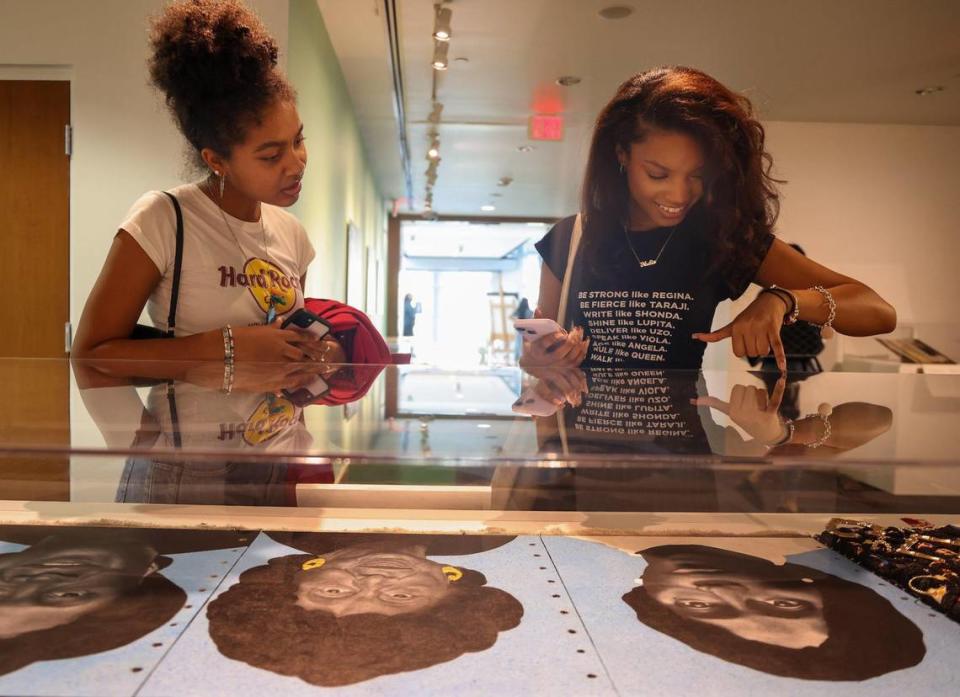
{"x": 677, "y": 215}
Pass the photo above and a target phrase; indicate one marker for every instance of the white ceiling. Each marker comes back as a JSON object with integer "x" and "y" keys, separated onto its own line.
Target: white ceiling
{"x": 445, "y": 238}
{"x": 855, "y": 61}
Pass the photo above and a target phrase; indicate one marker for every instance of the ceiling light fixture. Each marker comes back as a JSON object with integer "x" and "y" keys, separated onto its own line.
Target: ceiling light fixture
{"x": 441, "y": 23}
{"x": 616, "y": 12}
{"x": 568, "y": 80}
{"x": 440, "y": 49}
{"x": 488, "y": 208}
{"x": 525, "y": 148}
{"x": 505, "y": 181}
{"x": 433, "y": 153}
{"x": 925, "y": 91}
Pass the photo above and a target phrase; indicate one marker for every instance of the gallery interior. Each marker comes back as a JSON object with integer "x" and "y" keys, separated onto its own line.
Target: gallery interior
{"x": 516, "y": 347}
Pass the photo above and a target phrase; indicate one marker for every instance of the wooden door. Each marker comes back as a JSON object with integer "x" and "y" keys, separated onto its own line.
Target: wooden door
{"x": 35, "y": 209}
{"x": 34, "y": 410}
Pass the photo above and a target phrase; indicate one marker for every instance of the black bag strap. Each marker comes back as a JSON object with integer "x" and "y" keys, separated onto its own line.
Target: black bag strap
{"x": 177, "y": 263}
{"x": 174, "y": 415}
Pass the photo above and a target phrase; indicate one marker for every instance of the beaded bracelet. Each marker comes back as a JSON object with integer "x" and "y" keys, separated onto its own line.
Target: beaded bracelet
{"x": 831, "y": 304}
{"x": 791, "y": 428}
{"x": 228, "y": 367}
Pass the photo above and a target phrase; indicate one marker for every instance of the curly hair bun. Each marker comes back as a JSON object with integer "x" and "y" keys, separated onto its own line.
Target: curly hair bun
{"x": 213, "y": 58}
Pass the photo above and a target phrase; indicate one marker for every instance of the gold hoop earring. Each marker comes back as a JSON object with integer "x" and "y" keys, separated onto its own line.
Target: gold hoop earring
{"x": 312, "y": 564}
{"x": 452, "y": 573}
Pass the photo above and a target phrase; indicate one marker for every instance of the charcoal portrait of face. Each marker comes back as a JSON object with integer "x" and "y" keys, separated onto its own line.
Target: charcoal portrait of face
{"x": 72, "y": 594}
{"x": 788, "y": 620}
{"x": 358, "y": 607}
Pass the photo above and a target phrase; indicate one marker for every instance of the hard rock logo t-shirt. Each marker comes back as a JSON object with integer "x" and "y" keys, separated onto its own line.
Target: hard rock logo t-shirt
{"x": 233, "y": 270}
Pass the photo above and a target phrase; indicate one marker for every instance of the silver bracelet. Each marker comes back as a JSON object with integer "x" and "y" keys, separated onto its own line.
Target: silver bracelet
{"x": 831, "y": 304}
{"x": 827, "y": 430}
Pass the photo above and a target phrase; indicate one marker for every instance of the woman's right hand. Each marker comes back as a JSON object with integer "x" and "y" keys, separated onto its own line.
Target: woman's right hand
{"x": 560, "y": 349}
{"x": 268, "y": 343}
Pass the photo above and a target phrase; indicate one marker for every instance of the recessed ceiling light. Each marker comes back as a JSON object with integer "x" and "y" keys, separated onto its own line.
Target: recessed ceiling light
{"x": 568, "y": 80}
{"x": 483, "y": 425}
{"x": 487, "y": 208}
{"x": 525, "y": 148}
{"x": 924, "y": 91}
{"x": 616, "y": 12}
{"x": 461, "y": 59}
{"x": 505, "y": 181}
{"x": 440, "y": 55}
{"x": 441, "y": 24}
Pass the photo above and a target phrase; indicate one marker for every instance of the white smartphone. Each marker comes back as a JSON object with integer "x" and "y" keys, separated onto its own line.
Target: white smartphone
{"x": 533, "y": 329}
{"x": 532, "y": 404}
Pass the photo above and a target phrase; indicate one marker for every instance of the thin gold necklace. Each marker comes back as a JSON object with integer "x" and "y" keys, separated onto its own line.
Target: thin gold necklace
{"x": 263, "y": 230}
{"x": 648, "y": 262}
{"x": 274, "y": 299}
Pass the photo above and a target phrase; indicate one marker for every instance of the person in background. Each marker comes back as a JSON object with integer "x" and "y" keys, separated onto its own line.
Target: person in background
{"x": 410, "y": 312}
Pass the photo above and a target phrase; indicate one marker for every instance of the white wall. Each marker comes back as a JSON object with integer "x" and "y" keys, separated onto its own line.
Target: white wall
{"x": 124, "y": 141}
{"x": 876, "y": 202}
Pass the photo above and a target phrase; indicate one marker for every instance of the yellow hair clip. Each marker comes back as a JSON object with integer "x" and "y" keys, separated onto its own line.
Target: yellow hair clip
{"x": 452, "y": 573}
{"x": 311, "y": 564}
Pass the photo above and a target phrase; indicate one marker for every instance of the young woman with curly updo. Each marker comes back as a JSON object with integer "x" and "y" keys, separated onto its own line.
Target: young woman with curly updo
{"x": 677, "y": 215}
{"x": 244, "y": 259}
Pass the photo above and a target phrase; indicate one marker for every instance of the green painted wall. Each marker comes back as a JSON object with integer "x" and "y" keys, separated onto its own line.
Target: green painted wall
{"x": 338, "y": 186}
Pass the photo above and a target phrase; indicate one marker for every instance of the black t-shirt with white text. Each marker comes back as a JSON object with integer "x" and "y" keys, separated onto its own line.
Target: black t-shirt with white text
{"x": 643, "y": 317}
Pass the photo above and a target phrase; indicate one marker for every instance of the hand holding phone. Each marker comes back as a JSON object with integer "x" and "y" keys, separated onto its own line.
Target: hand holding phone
{"x": 306, "y": 321}
{"x": 535, "y": 328}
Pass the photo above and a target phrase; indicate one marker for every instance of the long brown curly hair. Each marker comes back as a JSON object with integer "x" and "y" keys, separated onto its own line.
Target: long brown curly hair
{"x": 740, "y": 197}
{"x": 258, "y": 621}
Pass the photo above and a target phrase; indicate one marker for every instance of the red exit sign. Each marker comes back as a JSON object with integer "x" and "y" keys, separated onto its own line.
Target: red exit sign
{"x": 546, "y": 127}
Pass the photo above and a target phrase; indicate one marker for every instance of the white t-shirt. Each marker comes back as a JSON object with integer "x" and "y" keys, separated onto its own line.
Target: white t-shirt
{"x": 228, "y": 274}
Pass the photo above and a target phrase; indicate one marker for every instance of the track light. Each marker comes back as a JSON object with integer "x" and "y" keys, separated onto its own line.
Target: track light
{"x": 440, "y": 55}
{"x": 441, "y": 23}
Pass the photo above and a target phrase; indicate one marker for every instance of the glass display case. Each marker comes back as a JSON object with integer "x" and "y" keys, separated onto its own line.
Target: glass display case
{"x": 391, "y": 529}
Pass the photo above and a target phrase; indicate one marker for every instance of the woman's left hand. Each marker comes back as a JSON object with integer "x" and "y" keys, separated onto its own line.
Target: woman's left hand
{"x": 327, "y": 350}
{"x": 755, "y": 331}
